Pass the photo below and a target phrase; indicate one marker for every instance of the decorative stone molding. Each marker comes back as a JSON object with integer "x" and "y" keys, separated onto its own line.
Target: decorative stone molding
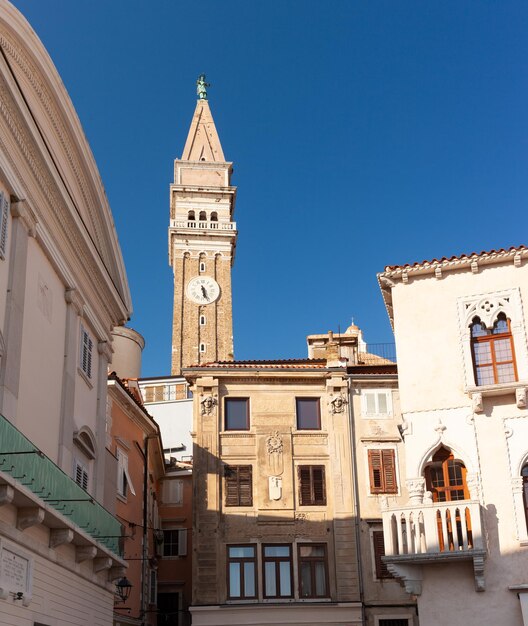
{"x": 208, "y": 404}
{"x": 338, "y": 404}
{"x": 104, "y": 348}
{"x": 416, "y": 489}
{"x": 73, "y": 297}
{"x": 406, "y": 428}
{"x": 7, "y": 493}
{"x": 410, "y": 575}
{"x": 275, "y": 487}
{"x": 473, "y": 485}
{"x": 440, "y": 427}
{"x": 520, "y": 397}
{"x": 20, "y": 210}
{"x": 478, "y": 569}
{"x": 29, "y": 516}
{"x": 274, "y": 448}
{"x": 102, "y": 563}
{"x": 477, "y": 402}
{"x": 60, "y": 536}
{"x": 85, "y": 553}
{"x": 274, "y": 443}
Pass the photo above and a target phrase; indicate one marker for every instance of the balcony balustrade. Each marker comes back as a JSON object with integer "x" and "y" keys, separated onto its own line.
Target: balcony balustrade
{"x": 204, "y": 225}
{"x": 431, "y": 532}
{"x": 28, "y": 466}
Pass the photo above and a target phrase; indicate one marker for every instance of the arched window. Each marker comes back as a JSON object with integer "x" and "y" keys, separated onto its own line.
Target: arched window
{"x": 191, "y": 217}
{"x": 214, "y": 216}
{"x": 203, "y": 216}
{"x": 524, "y": 474}
{"x": 202, "y": 266}
{"x": 493, "y": 353}
{"x": 445, "y": 477}
{"x": 202, "y": 321}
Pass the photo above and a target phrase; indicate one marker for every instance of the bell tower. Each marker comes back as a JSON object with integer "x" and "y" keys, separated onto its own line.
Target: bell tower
{"x": 202, "y": 240}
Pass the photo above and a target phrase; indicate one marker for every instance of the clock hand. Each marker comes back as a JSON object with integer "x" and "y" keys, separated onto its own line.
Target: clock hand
{"x": 204, "y": 293}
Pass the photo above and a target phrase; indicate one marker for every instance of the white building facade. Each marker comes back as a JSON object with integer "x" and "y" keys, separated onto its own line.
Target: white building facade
{"x": 62, "y": 289}
{"x": 460, "y": 543}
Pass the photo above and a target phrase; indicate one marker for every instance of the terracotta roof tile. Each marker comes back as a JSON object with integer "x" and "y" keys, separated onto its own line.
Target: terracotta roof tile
{"x": 267, "y": 364}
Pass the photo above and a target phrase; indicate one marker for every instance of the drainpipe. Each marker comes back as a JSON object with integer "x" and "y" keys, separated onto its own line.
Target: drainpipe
{"x": 355, "y": 482}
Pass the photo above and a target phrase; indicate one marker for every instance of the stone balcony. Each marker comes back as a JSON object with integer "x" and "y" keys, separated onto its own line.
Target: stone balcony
{"x": 202, "y": 225}
{"x": 417, "y": 535}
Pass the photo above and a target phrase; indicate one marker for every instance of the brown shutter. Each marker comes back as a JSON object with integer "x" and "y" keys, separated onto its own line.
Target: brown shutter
{"x": 245, "y": 490}
{"x": 231, "y": 486}
{"x": 376, "y": 483}
{"x": 305, "y": 491}
{"x": 319, "y": 492}
{"x": 379, "y": 551}
{"x": 389, "y": 471}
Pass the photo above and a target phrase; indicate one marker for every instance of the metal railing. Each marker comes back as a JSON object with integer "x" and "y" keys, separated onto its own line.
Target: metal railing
{"x": 371, "y": 353}
{"x": 21, "y": 460}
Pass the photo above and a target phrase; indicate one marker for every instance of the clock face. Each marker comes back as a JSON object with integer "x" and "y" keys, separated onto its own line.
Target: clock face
{"x": 203, "y": 290}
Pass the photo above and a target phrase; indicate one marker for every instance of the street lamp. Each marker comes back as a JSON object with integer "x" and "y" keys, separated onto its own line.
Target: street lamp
{"x": 123, "y": 587}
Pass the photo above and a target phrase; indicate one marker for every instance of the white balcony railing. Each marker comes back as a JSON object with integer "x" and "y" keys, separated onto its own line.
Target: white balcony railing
{"x": 418, "y": 534}
{"x": 432, "y": 528}
{"x": 206, "y": 225}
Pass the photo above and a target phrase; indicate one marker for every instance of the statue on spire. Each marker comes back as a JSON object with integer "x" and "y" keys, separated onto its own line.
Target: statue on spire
{"x": 201, "y": 87}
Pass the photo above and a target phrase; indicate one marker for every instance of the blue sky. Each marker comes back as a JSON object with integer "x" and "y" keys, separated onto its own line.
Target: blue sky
{"x": 363, "y": 134}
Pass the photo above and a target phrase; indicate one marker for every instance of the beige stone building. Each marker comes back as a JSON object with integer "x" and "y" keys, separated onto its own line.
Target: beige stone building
{"x": 460, "y": 542}
{"x": 274, "y": 522}
{"x": 202, "y": 239}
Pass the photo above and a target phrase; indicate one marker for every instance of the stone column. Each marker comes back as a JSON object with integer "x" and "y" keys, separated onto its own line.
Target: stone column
{"x": 74, "y": 310}
{"x": 105, "y": 357}
{"x": 23, "y": 226}
{"x": 416, "y": 489}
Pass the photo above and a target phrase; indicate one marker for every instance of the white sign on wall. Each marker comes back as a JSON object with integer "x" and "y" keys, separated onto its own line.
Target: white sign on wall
{"x": 16, "y": 572}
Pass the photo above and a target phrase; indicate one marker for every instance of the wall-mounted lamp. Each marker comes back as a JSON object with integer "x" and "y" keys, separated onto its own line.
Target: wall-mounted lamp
{"x": 123, "y": 588}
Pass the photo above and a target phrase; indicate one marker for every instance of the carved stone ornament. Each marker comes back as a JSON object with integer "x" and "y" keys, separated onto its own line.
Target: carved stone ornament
{"x": 416, "y": 489}
{"x": 338, "y": 404}
{"x": 473, "y": 485}
{"x": 208, "y": 404}
{"x": 275, "y": 487}
{"x": 478, "y": 404}
{"x": 274, "y": 443}
{"x": 520, "y": 397}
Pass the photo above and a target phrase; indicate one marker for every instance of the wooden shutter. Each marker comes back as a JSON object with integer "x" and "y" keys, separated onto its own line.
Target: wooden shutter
{"x": 305, "y": 487}
{"x": 238, "y": 485}
{"x": 375, "y": 471}
{"x": 379, "y": 551}
{"x": 382, "y": 471}
{"x": 389, "y": 471}
{"x": 182, "y": 542}
{"x": 319, "y": 492}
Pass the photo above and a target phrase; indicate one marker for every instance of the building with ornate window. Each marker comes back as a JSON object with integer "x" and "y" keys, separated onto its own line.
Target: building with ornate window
{"x": 63, "y": 288}
{"x": 460, "y": 542}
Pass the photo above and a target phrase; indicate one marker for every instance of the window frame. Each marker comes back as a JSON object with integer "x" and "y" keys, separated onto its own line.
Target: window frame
{"x": 377, "y": 414}
{"x": 242, "y": 561}
{"x": 124, "y": 482}
{"x": 79, "y": 466}
{"x": 386, "y": 486}
{"x": 86, "y": 345}
{"x": 491, "y": 338}
{"x": 180, "y": 543}
{"x": 233, "y": 481}
{"x": 312, "y": 560}
{"x": 315, "y": 399}
{"x": 313, "y": 500}
{"x": 227, "y": 401}
{"x": 277, "y": 560}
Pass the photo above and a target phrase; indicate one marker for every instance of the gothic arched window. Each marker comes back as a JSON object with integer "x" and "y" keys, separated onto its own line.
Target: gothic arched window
{"x": 203, "y": 216}
{"x": 214, "y": 216}
{"x": 191, "y": 217}
{"x": 492, "y": 351}
{"x": 445, "y": 477}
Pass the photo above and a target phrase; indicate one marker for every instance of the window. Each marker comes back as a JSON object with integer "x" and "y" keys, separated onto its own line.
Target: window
{"x": 308, "y": 413}
{"x": 80, "y": 473}
{"x": 277, "y": 563}
{"x": 86, "y": 352}
{"x": 238, "y": 485}
{"x": 382, "y": 471}
{"x": 202, "y": 348}
{"x": 202, "y": 267}
{"x": 203, "y": 216}
{"x": 378, "y": 546}
{"x": 4, "y": 216}
{"x": 153, "y": 586}
{"x": 312, "y": 488}
{"x": 376, "y": 402}
{"x": 445, "y": 477}
{"x": 393, "y": 621}
{"x": 241, "y": 572}
{"x": 174, "y": 542}
{"x": 313, "y": 571}
{"x": 524, "y": 474}
{"x": 214, "y": 216}
{"x": 172, "y": 491}
{"x": 124, "y": 484}
{"x": 236, "y": 413}
{"x": 493, "y": 353}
